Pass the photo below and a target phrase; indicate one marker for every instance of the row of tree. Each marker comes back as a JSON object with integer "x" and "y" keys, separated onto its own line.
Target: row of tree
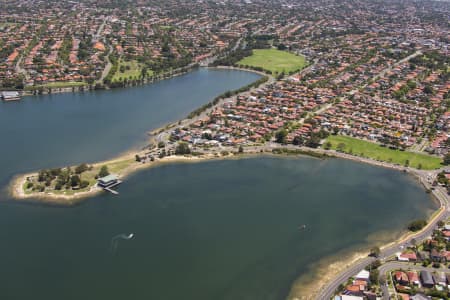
{"x": 64, "y": 178}
{"x": 228, "y": 94}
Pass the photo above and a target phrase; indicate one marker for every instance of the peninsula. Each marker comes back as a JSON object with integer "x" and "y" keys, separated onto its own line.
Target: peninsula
{"x": 361, "y": 80}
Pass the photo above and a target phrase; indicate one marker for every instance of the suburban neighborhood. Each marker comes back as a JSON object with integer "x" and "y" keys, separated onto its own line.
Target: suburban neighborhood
{"x": 362, "y": 80}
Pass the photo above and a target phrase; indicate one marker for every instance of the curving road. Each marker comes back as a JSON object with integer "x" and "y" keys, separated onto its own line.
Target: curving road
{"x": 327, "y": 291}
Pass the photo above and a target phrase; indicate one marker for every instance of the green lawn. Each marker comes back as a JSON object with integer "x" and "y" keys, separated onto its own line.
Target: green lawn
{"x": 132, "y": 69}
{"x": 274, "y": 60}
{"x": 61, "y": 84}
{"x": 375, "y": 151}
{"x": 114, "y": 167}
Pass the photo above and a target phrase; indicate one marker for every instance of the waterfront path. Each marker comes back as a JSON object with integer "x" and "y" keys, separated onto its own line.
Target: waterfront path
{"x": 108, "y": 65}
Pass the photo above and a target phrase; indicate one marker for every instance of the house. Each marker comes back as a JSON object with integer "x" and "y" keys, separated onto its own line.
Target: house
{"x": 108, "y": 181}
{"x": 427, "y": 279}
{"x": 407, "y": 256}
{"x": 440, "y": 279}
{"x": 445, "y": 256}
{"x": 435, "y": 255}
{"x": 370, "y": 295}
{"x": 363, "y": 275}
{"x": 423, "y": 255}
{"x": 419, "y": 297}
{"x": 413, "y": 278}
{"x": 446, "y": 233}
{"x": 401, "y": 277}
{"x": 348, "y": 297}
{"x": 354, "y": 290}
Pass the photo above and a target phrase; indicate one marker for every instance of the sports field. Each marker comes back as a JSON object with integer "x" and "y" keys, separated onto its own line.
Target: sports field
{"x": 274, "y": 60}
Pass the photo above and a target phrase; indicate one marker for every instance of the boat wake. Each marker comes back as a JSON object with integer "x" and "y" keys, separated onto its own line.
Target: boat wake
{"x": 115, "y": 240}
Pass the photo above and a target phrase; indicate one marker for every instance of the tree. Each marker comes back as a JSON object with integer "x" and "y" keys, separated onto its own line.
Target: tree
{"x": 373, "y": 277}
{"x": 241, "y": 149}
{"x": 138, "y": 158}
{"x": 313, "y": 141}
{"x": 335, "y": 130}
{"x": 298, "y": 140}
{"x": 182, "y": 148}
{"x": 375, "y": 251}
{"x": 417, "y": 225}
{"x": 74, "y": 180}
{"x": 281, "y": 47}
{"x": 84, "y": 184}
{"x": 442, "y": 178}
{"x": 340, "y": 147}
{"x": 58, "y": 186}
{"x": 81, "y": 168}
{"x": 441, "y": 223}
{"x": 428, "y": 89}
{"x": 103, "y": 171}
{"x": 42, "y": 175}
{"x": 327, "y": 146}
{"x": 447, "y": 159}
{"x": 280, "y": 136}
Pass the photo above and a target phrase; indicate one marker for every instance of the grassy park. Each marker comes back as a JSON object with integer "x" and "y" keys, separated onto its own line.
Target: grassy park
{"x": 274, "y": 60}
{"x": 378, "y": 152}
{"x": 128, "y": 70}
{"x": 49, "y": 179}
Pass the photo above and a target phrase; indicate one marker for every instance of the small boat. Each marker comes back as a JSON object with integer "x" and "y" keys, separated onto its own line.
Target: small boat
{"x": 302, "y": 227}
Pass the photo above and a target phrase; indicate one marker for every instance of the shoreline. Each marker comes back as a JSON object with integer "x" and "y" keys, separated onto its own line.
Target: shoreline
{"x": 302, "y": 287}
{"x": 306, "y": 287}
{"x": 91, "y": 88}
{"x": 17, "y": 192}
{"x": 48, "y": 90}
{"x": 331, "y": 266}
